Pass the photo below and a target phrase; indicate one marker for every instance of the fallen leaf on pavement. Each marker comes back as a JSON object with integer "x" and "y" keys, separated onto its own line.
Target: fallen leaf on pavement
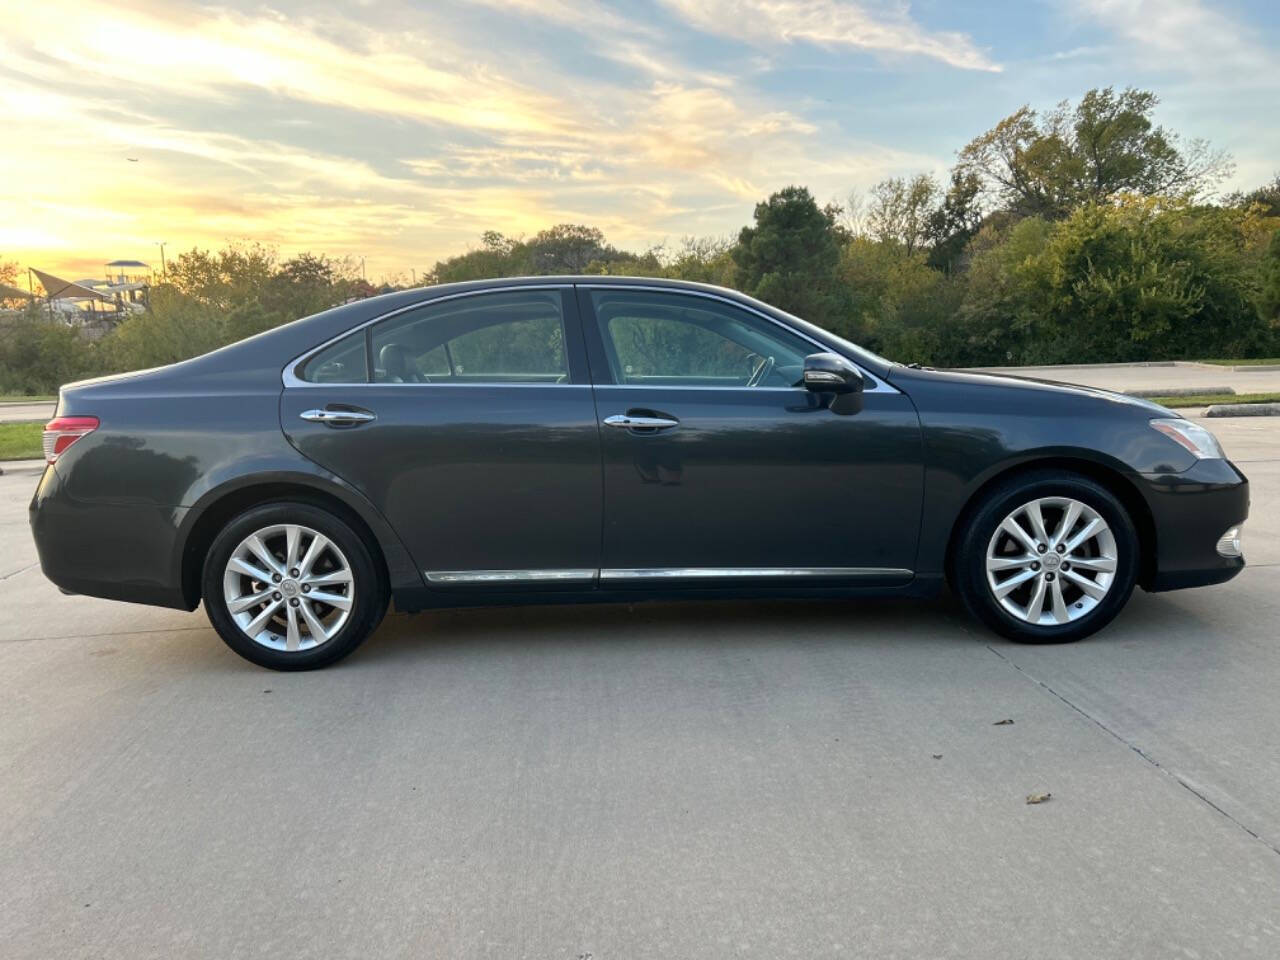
{"x": 1038, "y": 797}
{"x": 937, "y": 756}
{"x": 1003, "y": 723}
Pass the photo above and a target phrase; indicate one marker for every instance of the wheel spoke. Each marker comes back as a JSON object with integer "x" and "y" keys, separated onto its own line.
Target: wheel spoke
{"x": 1014, "y": 529}
{"x": 1037, "y": 521}
{"x": 1090, "y": 528}
{"x": 292, "y": 638}
{"x": 1007, "y": 587}
{"x": 332, "y": 577}
{"x": 256, "y": 625}
{"x": 1036, "y": 606}
{"x": 332, "y": 599}
{"x": 241, "y": 565}
{"x": 248, "y": 601}
{"x": 292, "y": 534}
{"x": 1084, "y": 583}
{"x": 1100, "y": 564}
{"x": 996, "y": 564}
{"x": 255, "y": 544}
{"x": 1060, "y": 612}
{"x": 318, "y": 632}
{"x": 314, "y": 549}
{"x": 1069, "y": 518}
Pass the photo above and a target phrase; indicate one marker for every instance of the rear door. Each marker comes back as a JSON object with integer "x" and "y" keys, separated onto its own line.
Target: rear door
{"x": 717, "y": 467}
{"x": 469, "y": 423}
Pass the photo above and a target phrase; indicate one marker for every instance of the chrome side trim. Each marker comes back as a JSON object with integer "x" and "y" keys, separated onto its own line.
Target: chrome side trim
{"x": 291, "y": 379}
{"x": 880, "y": 385}
{"x": 510, "y": 576}
{"x": 727, "y": 573}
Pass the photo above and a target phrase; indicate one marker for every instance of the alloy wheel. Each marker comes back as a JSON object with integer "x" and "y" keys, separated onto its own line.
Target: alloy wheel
{"x": 288, "y": 587}
{"x": 1051, "y": 561}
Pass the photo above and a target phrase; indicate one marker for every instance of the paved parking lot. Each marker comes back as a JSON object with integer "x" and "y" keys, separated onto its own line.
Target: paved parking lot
{"x": 760, "y": 779}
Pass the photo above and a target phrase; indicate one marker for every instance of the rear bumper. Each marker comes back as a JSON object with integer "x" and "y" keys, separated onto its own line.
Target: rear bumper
{"x": 1191, "y": 511}
{"x": 119, "y": 551}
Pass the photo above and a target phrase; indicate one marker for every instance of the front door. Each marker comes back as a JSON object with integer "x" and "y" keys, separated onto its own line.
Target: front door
{"x": 469, "y": 423}
{"x": 717, "y": 467}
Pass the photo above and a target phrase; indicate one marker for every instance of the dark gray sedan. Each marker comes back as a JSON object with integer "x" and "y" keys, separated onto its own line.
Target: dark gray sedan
{"x": 605, "y": 438}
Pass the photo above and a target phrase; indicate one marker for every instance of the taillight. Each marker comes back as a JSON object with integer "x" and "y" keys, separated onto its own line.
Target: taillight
{"x": 62, "y": 432}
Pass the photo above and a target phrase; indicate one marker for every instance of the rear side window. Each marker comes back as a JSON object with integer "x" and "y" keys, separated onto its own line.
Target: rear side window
{"x": 500, "y": 337}
{"x": 343, "y": 362}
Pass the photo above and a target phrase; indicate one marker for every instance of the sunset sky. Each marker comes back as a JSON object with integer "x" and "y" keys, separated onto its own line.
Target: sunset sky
{"x": 399, "y": 131}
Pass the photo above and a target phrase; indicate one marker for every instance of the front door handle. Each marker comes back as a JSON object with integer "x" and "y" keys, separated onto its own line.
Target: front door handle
{"x": 626, "y": 421}
{"x": 338, "y": 418}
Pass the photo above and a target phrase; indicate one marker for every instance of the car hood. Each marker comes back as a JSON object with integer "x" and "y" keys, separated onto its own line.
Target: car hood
{"x": 904, "y": 375}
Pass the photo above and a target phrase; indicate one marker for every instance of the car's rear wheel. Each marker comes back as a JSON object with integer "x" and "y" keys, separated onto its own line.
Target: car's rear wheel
{"x": 1047, "y": 557}
{"x": 290, "y": 586}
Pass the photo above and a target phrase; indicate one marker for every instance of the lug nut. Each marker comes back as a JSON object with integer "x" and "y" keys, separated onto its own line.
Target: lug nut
{"x": 1061, "y": 548}
{"x": 275, "y": 596}
{"x": 1066, "y": 566}
{"x": 1035, "y": 564}
{"x": 293, "y": 602}
{"x": 293, "y": 572}
{"x": 275, "y": 578}
{"x": 306, "y": 588}
{"x": 1041, "y": 547}
{"x": 1048, "y": 576}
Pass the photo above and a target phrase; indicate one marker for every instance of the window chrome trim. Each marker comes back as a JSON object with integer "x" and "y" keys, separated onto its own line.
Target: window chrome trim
{"x": 510, "y": 576}
{"x": 728, "y": 573}
{"x": 881, "y": 386}
{"x": 290, "y": 377}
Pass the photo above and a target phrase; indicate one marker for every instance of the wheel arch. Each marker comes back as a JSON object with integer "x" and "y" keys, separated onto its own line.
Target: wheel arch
{"x": 1112, "y": 479}
{"x": 219, "y": 506}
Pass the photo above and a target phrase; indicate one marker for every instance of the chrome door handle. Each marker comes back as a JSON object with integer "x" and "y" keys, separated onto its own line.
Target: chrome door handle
{"x": 338, "y": 418}
{"x": 625, "y": 422}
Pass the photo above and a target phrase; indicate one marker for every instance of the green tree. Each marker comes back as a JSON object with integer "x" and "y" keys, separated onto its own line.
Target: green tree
{"x": 1269, "y": 285}
{"x": 900, "y": 210}
{"x": 789, "y": 258}
{"x": 1105, "y": 146}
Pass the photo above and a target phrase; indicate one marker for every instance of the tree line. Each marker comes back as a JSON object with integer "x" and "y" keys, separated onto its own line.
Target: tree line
{"x": 1085, "y": 233}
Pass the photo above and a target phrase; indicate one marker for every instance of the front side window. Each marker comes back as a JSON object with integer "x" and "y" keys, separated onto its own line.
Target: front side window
{"x": 672, "y": 339}
{"x": 515, "y": 337}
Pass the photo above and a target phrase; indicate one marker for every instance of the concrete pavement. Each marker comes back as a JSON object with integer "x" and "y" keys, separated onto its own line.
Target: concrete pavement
{"x": 715, "y": 780}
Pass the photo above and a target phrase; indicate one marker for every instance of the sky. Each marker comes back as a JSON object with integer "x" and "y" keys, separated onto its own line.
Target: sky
{"x": 399, "y": 131}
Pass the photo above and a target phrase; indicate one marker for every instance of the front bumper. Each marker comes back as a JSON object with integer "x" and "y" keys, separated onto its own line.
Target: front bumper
{"x": 119, "y": 551}
{"x": 1191, "y": 511}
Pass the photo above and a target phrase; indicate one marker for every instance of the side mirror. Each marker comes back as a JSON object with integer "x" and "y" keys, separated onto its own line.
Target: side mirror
{"x": 832, "y": 374}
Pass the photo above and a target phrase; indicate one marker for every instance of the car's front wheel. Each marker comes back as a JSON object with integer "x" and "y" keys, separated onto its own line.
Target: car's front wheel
{"x": 1047, "y": 557}
{"x": 290, "y": 586}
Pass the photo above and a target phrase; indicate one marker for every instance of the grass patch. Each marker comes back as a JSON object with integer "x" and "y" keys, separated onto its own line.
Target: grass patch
{"x": 23, "y": 398}
{"x": 1204, "y": 399}
{"x": 1256, "y": 362}
{"x": 21, "y": 441}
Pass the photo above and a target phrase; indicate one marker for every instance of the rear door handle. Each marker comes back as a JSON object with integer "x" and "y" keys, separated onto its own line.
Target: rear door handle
{"x": 625, "y": 421}
{"x": 338, "y": 418}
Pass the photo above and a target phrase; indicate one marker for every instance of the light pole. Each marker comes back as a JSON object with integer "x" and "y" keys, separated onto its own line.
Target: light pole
{"x": 163, "y": 269}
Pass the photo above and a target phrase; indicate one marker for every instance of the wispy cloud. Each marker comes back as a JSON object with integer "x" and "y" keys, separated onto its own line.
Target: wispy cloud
{"x": 833, "y": 24}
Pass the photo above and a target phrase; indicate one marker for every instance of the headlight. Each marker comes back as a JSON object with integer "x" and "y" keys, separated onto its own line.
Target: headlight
{"x": 1192, "y": 437}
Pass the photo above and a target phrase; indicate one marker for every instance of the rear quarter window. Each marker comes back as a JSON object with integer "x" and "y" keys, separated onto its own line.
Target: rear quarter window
{"x": 346, "y": 361}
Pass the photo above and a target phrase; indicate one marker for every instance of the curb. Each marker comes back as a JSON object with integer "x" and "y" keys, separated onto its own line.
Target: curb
{"x": 1243, "y": 410}
{"x": 18, "y": 468}
{"x": 1181, "y": 392}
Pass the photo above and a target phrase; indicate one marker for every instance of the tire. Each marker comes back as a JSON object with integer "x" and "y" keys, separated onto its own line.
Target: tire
{"x": 990, "y": 555}
{"x": 282, "y": 621}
